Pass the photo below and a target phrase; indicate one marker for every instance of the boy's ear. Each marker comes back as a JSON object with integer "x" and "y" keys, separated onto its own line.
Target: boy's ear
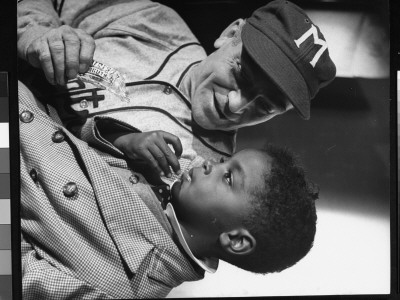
{"x": 237, "y": 242}
{"x": 228, "y": 33}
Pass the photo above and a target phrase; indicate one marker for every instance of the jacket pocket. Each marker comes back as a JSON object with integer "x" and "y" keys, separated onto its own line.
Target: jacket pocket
{"x": 164, "y": 269}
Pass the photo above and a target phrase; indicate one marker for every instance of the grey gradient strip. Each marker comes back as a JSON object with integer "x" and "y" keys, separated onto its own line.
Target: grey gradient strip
{"x": 4, "y": 135}
{"x": 5, "y": 212}
{"x": 4, "y": 186}
{"x": 3, "y": 84}
{"x": 4, "y": 117}
{"x": 6, "y": 287}
{"x": 5, "y": 262}
{"x": 5, "y": 237}
{"x": 4, "y": 160}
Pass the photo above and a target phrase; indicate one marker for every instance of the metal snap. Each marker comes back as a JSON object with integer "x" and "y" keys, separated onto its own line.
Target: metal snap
{"x": 167, "y": 90}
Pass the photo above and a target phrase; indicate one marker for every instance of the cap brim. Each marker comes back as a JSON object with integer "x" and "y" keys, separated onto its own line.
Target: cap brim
{"x": 278, "y": 67}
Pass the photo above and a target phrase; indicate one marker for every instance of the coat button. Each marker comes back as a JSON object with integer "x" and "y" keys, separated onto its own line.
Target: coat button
{"x": 34, "y": 175}
{"x": 58, "y": 136}
{"x": 26, "y": 116}
{"x": 167, "y": 90}
{"x": 134, "y": 179}
{"x": 70, "y": 189}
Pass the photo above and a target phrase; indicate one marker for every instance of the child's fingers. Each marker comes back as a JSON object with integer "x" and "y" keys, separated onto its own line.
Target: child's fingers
{"x": 171, "y": 157}
{"x": 174, "y": 141}
{"x": 159, "y": 157}
{"x": 149, "y": 157}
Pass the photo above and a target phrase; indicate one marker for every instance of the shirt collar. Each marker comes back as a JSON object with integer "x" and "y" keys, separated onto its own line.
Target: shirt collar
{"x": 208, "y": 264}
{"x": 184, "y": 74}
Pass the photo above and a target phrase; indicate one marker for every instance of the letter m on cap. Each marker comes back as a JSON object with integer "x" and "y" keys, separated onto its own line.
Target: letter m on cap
{"x": 313, "y": 31}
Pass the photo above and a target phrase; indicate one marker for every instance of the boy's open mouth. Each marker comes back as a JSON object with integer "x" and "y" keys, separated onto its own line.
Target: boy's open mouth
{"x": 186, "y": 176}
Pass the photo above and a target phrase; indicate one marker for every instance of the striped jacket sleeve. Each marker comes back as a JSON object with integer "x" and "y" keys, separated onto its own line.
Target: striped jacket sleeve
{"x": 93, "y": 133}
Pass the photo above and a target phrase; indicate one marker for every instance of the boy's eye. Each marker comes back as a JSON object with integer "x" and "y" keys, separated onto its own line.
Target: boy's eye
{"x": 228, "y": 177}
{"x": 237, "y": 70}
{"x": 238, "y": 66}
{"x": 242, "y": 75}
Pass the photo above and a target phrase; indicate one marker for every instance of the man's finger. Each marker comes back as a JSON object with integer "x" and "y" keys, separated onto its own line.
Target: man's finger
{"x": 33, "y": 53}
{"x": 41, "y": 54}
{"x": 86, "y": 50}
{"x": 56, "y": 46}
{"x": 72, "y": 46}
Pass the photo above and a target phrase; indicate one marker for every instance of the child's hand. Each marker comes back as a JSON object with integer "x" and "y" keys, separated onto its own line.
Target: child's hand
{"x": 152, "y": 147}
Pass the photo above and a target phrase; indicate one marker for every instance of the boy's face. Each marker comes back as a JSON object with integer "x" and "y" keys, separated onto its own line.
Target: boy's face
{"x": 216, "y": 197}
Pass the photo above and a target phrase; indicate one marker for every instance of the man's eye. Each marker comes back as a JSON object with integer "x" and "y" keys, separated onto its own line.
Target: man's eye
{"x": 222, "y": 160}
{"x": 266, "y": 107}
{"x": 228, "y": 177}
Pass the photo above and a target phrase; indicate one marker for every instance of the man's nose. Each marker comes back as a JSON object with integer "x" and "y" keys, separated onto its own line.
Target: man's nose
{"x": 208, "y": 165}
{"x": 235, "y": 100}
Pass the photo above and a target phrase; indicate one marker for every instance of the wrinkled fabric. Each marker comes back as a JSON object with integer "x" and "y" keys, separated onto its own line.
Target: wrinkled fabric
{"x": 109, "y": 239}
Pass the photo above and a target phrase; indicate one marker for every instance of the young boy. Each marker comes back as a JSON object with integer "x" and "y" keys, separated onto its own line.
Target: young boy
{"x": 92, "y": 227}
{"x": 255, "y": 210}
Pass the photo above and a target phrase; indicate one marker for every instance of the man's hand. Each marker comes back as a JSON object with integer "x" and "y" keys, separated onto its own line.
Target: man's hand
{"x": 62, "y": 53}
{"x": 152, "y": 147}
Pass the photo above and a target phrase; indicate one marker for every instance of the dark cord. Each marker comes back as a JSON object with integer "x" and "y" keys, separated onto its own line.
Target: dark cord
{"x": 167, "y": 59}
{"x": 60, "y": 7}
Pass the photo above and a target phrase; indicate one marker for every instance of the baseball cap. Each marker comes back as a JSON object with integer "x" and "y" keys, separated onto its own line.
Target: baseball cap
{"x": 291, "y": 50}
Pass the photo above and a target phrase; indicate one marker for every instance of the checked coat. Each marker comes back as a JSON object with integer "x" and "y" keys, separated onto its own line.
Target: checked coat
{"x": 86, "y": 233}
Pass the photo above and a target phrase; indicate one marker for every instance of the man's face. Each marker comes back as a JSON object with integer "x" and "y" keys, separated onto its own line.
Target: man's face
{"x": 216, "y": 197}
{"x": 230, "y": 91}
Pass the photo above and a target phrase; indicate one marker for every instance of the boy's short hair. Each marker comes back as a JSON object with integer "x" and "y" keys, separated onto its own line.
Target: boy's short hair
{"x": 283, "y": 218}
